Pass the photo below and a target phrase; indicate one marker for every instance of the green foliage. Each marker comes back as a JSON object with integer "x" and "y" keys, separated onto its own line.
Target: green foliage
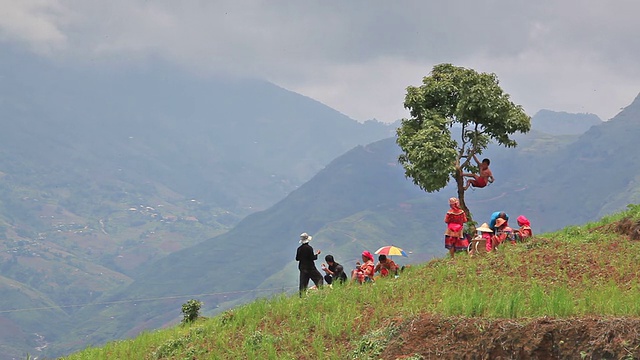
{"x": 191, "y": 310}
{"x": 454, "y": 100}
{"x": 180, "y": 345}
{"x": 415, "y": 357}
{"x": 169, "y": 348}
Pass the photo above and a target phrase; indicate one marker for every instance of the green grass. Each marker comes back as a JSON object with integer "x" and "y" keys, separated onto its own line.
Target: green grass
{"x": 578, "y": 271}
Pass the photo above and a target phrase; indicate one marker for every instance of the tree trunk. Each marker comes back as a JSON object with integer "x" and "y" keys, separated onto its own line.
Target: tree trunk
{"x": 460, "y": 183}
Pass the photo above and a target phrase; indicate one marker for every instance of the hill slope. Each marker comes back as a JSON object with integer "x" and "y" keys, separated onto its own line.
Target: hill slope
{"x": 571, "y": 294}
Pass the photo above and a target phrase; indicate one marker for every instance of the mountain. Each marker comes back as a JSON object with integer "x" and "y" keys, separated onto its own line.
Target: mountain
{"x": 103, "y": 172}
{"x": 228, "y": 265}
{"x": 596, "y": 175}
{"x": 362, "y": 201}
{"x": 563, "y": 123}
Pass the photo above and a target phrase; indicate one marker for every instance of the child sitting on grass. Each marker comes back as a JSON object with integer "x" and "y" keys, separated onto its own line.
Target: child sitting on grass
{"x": 524, "y": 232}
{"x": 386, "y": 266}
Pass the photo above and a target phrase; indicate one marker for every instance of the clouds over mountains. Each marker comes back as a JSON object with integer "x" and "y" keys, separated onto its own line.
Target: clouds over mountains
{"x": 356, "y": 56}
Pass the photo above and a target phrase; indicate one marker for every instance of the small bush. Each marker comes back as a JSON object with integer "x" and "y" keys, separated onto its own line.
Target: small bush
{"x": 191, "y": 310}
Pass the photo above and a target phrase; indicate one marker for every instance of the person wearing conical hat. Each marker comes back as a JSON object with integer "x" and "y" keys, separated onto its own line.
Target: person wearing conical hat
{"x": 455, "y": 218}
{"x": 485, "y": 232}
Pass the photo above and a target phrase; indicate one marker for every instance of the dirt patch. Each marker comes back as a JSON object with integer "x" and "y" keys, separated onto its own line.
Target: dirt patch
{"x": 431, "y": 337}
{"x": 627, "y": 227}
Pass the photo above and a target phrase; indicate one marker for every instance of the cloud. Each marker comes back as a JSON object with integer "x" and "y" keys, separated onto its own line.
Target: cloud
{"x": 33, "y": 23}
{"x": 357, "y": 56}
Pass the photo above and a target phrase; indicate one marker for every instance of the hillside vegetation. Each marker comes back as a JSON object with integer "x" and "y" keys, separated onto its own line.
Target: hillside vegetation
{"x": 569, "y": 294}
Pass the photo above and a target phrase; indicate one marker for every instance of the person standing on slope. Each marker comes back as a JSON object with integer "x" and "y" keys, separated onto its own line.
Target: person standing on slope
{"x": 455, "y": 218}
{"x": 306, "y": 258}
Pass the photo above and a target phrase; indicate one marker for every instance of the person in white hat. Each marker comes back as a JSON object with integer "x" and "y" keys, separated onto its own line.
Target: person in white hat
{"x": 306, "y": 258}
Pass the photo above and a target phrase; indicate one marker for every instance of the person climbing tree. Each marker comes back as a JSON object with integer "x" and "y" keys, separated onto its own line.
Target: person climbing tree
{"x": 454, "y": 99}
{"x": 485, "y": 176}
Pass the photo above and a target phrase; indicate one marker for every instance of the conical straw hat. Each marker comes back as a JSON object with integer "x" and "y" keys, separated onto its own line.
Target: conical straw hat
{"x": 484, "y": 228}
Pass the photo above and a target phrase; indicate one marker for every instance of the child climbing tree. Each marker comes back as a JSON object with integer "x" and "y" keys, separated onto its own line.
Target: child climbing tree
{"x": 455, "y": 101}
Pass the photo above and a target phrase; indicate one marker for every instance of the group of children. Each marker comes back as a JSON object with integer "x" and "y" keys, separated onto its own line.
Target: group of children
{"x": 365, "y": 271}
{"x": 493, "y": 234}
{"x": 499, "y": 231}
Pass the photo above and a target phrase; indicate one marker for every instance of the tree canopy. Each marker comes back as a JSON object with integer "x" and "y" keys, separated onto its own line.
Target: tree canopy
{"x": 460, "y": 101}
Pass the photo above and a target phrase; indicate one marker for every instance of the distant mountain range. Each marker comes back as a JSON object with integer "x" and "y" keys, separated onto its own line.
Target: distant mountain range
{"x": 151, "y": 183}
{"x": 563, "y": 123}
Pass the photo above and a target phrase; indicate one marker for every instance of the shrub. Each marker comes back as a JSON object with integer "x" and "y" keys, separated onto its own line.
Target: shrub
{"x": 191, "y": 310}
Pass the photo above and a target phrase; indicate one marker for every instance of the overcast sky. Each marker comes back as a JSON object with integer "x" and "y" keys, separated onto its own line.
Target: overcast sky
{"x": 356, "y": 56}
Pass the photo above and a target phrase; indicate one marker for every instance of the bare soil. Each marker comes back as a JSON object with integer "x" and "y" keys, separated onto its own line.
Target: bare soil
{"x": 627, "y": 226}
{"x": 433, "y": 337}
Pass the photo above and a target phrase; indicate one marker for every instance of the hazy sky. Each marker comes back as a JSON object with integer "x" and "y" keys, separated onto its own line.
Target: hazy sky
{"x": 357, "y": 56}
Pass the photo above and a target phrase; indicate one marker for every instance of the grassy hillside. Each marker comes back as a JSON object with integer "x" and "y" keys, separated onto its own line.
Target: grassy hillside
{"x": 574, "y": 293}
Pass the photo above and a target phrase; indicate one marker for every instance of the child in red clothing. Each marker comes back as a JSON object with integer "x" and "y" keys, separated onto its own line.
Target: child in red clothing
{"x": 486, "y": 232}
{"x": 386, "y": 266}
{"x": 503, "y": 232}
{"x": 484, "y": 178}
{"x": 455, "y": 218}
{"x": 524, "y": 232}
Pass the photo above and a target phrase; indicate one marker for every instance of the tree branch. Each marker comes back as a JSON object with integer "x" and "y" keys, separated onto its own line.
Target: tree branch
{"x": 463, "y": 144}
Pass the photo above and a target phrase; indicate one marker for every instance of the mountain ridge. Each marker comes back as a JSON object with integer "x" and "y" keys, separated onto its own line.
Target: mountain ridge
{"x": 102, "y": 173}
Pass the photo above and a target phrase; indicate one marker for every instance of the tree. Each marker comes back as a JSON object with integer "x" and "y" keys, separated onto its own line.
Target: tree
{"x": 454, "y": 100}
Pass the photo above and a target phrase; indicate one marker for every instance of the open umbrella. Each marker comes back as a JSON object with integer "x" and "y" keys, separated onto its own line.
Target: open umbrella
{"x": 391, "y": 250}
